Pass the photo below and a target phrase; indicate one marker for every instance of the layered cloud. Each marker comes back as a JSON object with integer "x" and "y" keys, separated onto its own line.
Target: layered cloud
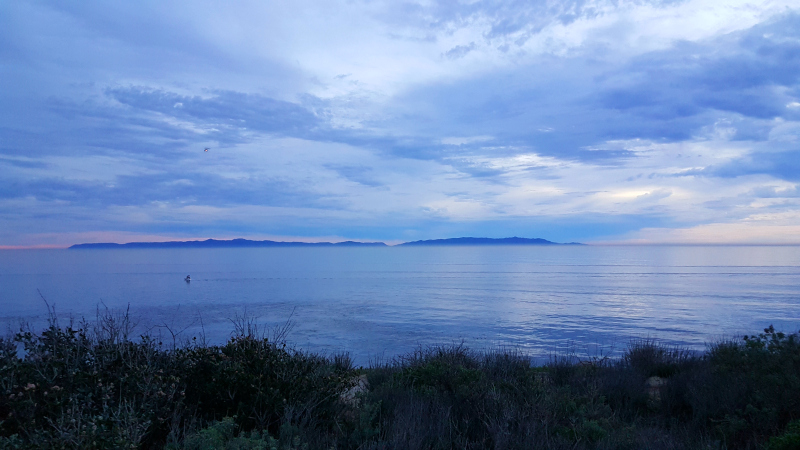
{"x": 579, "y": 121}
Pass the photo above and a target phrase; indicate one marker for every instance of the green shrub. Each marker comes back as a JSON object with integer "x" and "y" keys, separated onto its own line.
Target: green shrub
{"x": 222, "y": 436}
{"x": 789, "y": 440}
{"x": 741, "y": 391}
{"x": 94, "y": 386}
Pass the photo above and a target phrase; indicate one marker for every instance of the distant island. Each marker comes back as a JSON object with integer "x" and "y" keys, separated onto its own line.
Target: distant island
{"x": 487, "y": 241}
{"x": 236, "y": 243}
{"x": 241, "y": 243}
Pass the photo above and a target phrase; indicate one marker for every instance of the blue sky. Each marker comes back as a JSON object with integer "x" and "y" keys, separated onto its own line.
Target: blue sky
{"x": 592, "y": 121}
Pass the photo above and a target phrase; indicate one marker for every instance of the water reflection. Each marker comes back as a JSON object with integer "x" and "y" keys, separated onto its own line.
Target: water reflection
{"x": 386, "y": 301}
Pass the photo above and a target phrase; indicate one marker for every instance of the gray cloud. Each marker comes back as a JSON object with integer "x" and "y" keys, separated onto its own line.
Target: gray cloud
{"x": 357, "y": 174}
{"x": 459, "y": 51}
{"x": 226, "y": 109}
{"x": 176, "y": 187}
{"x": 22, "y": 163}
{"x": 505, "y": 17}
{"x": 774, "y": 192}
{"x": 746, "y": 73}
{"x": 783, "y": 165}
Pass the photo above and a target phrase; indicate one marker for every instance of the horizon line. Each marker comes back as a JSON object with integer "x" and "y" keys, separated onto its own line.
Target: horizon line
{"x": 316, "y": 240}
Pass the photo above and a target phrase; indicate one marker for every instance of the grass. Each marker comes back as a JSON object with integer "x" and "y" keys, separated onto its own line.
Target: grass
{"x": 96, "y": 385}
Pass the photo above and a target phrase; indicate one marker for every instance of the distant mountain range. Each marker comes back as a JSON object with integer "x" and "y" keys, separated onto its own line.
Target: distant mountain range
{"x": 486, "y": 241}
{"x": 214, "y": 243}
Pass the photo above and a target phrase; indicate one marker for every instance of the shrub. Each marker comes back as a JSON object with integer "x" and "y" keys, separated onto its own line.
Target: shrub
{"x": 789, "y": 440}
{"x": 94, "y": 386}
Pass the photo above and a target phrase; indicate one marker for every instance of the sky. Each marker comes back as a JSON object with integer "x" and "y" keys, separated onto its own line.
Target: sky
{"x": 576, "y": 120}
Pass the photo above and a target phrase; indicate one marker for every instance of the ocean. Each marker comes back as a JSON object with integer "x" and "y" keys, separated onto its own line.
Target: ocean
{"x": 378, "y": 303}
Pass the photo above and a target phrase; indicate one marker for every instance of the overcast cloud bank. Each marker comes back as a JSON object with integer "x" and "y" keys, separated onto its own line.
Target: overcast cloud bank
{"x": 664, "y": 121}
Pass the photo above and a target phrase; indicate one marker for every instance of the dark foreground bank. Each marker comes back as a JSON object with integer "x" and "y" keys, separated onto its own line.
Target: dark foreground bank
{"x": 95, "y": 386}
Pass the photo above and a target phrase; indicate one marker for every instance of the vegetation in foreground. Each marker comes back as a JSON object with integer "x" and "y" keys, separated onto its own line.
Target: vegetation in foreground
{"x": 93, "y": 386}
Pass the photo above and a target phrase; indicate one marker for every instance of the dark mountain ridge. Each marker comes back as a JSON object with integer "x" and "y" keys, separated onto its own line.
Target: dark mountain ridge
{"x": 241, "y": 243}
{"x": 214, "y": 243}
{"x": 486, "y": 241}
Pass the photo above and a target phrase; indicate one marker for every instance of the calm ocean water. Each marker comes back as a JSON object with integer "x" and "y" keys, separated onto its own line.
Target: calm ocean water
{"x": 382, "y": 302}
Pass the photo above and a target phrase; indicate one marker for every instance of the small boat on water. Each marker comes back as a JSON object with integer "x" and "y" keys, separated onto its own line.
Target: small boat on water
{"x": 187, "y": 279}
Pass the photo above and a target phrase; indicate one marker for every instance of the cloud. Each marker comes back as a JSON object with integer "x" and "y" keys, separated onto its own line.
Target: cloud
{"x": 783, "y": 165}
{"x": 224, "y": 110}
{"x": 190, "y": 189}
{"x": 397, "y": 120}
{"x": 24, "y": 163}
{"x": 775, "y": 192}
{"x": 357, "y": 174}
{"x": 459, "y": 51}
{"x": 678, "y": 94}
{"x": 654, "y": 196}
{"x": 746, "y": 73}
{"x": 500, "y": 18}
